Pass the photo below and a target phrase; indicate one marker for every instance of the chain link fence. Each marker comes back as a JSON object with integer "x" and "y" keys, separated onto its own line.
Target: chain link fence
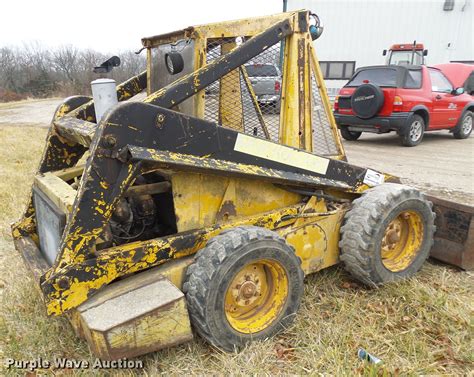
{"x": 229, "y": 102}
{"x": 323, "y": 139}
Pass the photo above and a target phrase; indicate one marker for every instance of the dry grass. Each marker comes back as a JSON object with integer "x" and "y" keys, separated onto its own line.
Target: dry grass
{"x": 420, "y": 326}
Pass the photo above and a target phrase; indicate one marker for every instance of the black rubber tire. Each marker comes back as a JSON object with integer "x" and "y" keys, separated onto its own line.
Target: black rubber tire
{"x": 364, "y": 227}
{"x": 406, "y": 139}
{"x": 367, "y": 101}
{"x": 215, "y": 266}
{"x": 349, "y": 135}
{"x": 458, "y": 132}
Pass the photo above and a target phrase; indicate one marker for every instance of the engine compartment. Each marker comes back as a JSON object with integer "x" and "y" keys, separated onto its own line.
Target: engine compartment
{"x": 145, "y": 211}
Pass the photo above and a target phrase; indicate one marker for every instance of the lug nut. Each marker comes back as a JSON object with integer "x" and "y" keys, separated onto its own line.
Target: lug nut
{"x": 63, "y": 282}
{"x": 110, "y": 141}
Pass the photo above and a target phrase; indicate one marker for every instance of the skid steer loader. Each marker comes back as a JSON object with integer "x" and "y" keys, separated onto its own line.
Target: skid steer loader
{"x": 205, "y": 204}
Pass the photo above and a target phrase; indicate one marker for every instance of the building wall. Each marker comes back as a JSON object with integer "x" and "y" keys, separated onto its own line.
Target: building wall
{"x": 360, "y": 29}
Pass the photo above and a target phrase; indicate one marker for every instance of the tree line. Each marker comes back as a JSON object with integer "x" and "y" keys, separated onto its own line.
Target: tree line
{"x": 32, "y": 70}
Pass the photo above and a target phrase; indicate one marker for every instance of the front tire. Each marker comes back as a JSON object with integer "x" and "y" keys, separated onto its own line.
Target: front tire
{"x": 387, "y": 235}
{"x": 415, "y": 132}
{"x": 464, "y": 129}
{"x": 350, "y": 135}
{"x": 245, "y": 284}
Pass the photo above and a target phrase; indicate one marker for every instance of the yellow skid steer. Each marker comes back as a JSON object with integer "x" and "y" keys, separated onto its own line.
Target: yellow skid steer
{"x": 205, "y": 204}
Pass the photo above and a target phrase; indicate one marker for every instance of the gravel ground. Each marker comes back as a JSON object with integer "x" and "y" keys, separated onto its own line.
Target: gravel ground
{"x": 30, "y": 112}
{"x": 440, "y": 165}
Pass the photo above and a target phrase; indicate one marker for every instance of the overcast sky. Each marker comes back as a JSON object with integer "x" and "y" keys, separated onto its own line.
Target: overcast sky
{"x": 110, "y": 26}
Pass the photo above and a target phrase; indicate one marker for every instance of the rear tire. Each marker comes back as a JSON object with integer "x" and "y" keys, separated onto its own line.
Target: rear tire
{"x": 387, "y": 235}
{"x": 464, "y": 129}
{"x": 415, "y": 132}
{"x": 245, "y": 284}
{"x": 350, "y": 135}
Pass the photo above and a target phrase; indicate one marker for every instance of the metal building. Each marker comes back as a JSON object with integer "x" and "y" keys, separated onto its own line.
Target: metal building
{"x": 357, "y": 31}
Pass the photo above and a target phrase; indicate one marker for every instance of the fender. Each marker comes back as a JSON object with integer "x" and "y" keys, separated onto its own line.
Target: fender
{"x": 424, "y": 108}
{"x": 468, "y": 107}
{"x": 406, "y": 128}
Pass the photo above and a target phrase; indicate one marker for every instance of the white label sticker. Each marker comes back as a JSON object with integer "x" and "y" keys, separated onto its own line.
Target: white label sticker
{"x": 280, "y": 153}
{"x": 373, "y": 178}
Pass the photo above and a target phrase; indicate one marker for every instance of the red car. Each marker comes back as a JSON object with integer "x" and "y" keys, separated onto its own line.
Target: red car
{"x": 460, "y": 75}
{"x": 407, "y": 99}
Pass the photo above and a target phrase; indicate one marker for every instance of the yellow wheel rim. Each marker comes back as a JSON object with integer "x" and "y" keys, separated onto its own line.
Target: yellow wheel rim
{"x": 256, "y": 296}
{"x": 402, "y": 240}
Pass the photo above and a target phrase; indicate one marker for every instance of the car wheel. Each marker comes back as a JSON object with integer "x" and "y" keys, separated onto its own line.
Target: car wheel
{"x": 415, "y": 132}
{"x": 350, "y": 135}
{"x": 464, "y": 129}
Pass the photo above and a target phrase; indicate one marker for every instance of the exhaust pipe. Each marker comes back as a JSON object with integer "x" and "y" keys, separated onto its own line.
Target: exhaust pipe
{"x": 104, "y": 93}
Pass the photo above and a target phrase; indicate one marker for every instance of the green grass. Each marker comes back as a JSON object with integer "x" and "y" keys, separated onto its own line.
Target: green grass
{"x": 419, "y": 326}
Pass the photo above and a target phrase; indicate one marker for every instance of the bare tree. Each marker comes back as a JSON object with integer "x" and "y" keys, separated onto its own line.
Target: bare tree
{"x": 8, "y": 69}
{"x": 35, "y": 62}
{"x": 36, "y": 70}
{"x": 131, "y": 64}
{"x": 65, "y": 60}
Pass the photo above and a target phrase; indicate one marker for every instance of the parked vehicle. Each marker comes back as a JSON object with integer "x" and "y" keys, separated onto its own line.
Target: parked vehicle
{"x": 406, "y": 54}
{"x": 265, "y": 79}
{"x": 266, "y": 83}
{"x": 407, "y": 99}
{"x": 460, "y": 75}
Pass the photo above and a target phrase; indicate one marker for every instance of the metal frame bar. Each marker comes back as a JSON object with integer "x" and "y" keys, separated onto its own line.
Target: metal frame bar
{"x": 255, "y": 104}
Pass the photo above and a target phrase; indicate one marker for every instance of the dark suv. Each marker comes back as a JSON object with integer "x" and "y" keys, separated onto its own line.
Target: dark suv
{"x": 407, "y": 99}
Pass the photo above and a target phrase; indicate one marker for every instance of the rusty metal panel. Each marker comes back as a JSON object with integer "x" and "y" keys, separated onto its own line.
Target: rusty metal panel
{"x": 454, "y": 237}
{"x": 159, "y": 75}
{"x": 149, "y": 313}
